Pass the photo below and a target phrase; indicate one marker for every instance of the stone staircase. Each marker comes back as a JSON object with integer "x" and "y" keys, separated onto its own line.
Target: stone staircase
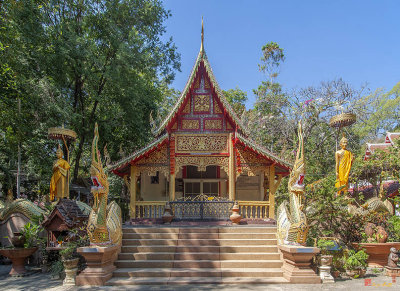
{"x": 198, "y": 255}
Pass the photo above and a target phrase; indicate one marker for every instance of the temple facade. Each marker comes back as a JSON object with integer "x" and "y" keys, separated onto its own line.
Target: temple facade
{"x": 202, "y": 147}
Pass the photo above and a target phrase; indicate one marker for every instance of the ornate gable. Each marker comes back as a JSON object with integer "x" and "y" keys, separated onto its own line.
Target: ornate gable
{"x": 201, "y": 106}
{"x": 201, "y": 110}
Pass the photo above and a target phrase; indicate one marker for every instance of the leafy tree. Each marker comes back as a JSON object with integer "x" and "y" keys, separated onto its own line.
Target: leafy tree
{"x": 82, "y": 61}
{"x": 237, "y": 98}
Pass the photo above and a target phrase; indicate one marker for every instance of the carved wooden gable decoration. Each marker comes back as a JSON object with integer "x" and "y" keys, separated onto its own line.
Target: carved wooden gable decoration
{"x": 201, "y": 110}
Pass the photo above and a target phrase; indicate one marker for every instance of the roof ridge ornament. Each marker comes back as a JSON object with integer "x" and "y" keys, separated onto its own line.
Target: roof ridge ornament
{"x": 202, "y": 37}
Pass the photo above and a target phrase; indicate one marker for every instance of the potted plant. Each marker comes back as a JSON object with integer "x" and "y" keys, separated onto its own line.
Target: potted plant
{"x": 377, "y": 240}
{"x": 25, "y": 244}
{"x": 76, "y": 238}
{"x": 356, "y": 263}
{"x": 326, "y": 245}
{"x": 70, "y": 261}
{"x": 337, "y": 263}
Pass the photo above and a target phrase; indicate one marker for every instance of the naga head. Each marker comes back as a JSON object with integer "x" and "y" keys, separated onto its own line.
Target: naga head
{"x": 99, "y": 177}
{"x": 296, "y": 179}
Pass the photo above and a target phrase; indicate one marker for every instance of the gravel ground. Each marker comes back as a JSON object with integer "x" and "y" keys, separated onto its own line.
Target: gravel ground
{"x": 43, "y": 281}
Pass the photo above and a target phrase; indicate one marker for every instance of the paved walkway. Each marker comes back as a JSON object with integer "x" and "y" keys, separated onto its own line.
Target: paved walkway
{"x": 40, "y": 281}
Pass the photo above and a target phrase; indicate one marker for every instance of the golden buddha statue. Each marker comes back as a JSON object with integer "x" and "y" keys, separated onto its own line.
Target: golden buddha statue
{"x": 59, "y": 180}
{"x": 344, "y": 160}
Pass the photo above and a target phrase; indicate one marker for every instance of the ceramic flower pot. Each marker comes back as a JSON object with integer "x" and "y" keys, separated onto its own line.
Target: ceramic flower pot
{"x": 18, "y": 240}
{"x": 325, "y": 260}
{"x": 360, "y": 273}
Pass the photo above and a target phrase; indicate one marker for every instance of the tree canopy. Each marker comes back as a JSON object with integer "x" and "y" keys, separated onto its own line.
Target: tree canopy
{"x": 77, "y": 62}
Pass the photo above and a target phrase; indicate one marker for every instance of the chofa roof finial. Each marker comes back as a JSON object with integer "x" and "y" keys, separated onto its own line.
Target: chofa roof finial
{"x": 202, "y": 35}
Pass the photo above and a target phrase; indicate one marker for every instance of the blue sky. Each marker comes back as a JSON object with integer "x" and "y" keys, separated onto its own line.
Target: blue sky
{"x": 358, "y": 41}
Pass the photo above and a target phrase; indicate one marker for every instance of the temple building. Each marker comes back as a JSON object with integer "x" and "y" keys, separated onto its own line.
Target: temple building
{"x": 390, "y": 141}
{"x": 202, "y": 147}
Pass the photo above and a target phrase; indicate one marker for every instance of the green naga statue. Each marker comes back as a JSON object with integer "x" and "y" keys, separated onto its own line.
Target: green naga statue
{"x": 291, "y": 220}
{"x": 104, "y": 225}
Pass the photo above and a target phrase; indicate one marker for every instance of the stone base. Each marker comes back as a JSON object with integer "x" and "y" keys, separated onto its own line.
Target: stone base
{"x": 100, "y": 265}
{"x": 392, "y": 272}
{"x": 296, "y": 264}
{"x": 325, "y": 274}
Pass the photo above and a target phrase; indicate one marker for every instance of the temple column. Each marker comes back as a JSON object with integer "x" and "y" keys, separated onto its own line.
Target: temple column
{"x": 172, "y": 187}
{"x": 133, "y": 190}
{"x": 231, "y": 174}
{"x": 262, "y": 173}
{"x": 172, "y": 169}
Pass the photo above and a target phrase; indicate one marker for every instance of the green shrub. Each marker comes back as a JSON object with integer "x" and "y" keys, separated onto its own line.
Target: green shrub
{"x": 356, "y": 260}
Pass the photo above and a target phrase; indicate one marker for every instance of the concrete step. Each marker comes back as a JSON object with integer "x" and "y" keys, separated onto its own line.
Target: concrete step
{"x": 228, "y": 229}
{"x": 198, "y": 272}
{"x": 193, "y": 280}
{"x": 248, "y": 256}
{"x": 225, "y": 242}
{"x": 150, "y": 235}
{"x": 198, "y": 242}
{"x": 150, "y": 230}
{"x": 198, "y": 256}
{"x": 148, "y": 242}
{"x": 202, "y": 249}
{"x": 251, "y": 229}
{"x": 198, "y": 263}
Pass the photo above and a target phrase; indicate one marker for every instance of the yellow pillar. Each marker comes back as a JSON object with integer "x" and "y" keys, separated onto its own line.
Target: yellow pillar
{"x": 272, "y": 189}
{"x": 172, "y": 187}
{"x": 231, "y": 174}
{"x": 133, "y": 188}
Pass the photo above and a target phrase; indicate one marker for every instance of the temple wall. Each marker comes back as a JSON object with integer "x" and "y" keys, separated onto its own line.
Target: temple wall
{"x": 248, "y": 188}
{"x": 153, "y": 192}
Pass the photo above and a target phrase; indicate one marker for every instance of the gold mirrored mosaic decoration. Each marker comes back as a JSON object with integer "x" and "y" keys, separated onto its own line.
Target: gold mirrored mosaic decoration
{"x": 201, "y": 143}
{"x": 212, "y": 124}
{"x": 201, "y": 103}
{"x": 190, "y": 124}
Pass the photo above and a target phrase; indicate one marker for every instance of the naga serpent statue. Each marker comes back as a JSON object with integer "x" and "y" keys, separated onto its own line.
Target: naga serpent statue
{"x": 291, "y": 221}
{"x": 22, "y": 206}
{"x": 105, "y": 222}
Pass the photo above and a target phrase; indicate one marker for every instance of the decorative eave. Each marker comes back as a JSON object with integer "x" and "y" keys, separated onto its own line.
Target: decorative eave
{"x": 132, "y": 158}
{"x": 263, "y": 152}
{"x": 372, "y": 147}
{"x": 391, "y": 137}
{"x": 230, "y": 112}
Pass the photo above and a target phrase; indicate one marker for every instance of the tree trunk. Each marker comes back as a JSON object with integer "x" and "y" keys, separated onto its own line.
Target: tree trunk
{"x": 78, "y": 156}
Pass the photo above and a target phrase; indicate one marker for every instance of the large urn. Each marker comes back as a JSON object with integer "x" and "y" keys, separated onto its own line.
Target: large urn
{"x": 235, "y": 216}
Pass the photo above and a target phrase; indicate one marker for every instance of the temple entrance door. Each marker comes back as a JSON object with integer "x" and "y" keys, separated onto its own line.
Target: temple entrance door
{"x": 195, "y": 187}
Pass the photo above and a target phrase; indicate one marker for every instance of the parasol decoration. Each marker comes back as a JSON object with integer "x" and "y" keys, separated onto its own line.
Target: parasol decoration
{"x": 61, "y": 133}
{"x": 342, "y": 120}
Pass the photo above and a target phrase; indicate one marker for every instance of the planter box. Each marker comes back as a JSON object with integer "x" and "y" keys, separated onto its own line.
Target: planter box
{"x": 378, "y": 252}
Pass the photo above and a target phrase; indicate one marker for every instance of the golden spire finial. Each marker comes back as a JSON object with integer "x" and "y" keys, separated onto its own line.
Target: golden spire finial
{"x": 202, "y": 35}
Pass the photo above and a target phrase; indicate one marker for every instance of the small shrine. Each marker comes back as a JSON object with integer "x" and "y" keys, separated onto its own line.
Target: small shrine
{"x": 67, "y": 215}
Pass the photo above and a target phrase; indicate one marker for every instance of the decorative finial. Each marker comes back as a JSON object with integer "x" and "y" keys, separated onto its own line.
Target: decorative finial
{"x": 202, "y": 35}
